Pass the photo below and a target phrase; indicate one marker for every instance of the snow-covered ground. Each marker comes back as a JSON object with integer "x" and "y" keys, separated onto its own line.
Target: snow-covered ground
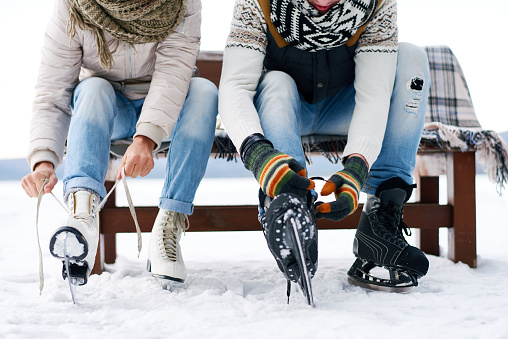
{"x": 234, "y": 289}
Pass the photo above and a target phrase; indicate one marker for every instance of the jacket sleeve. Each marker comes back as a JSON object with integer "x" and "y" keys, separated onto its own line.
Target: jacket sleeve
{"x": 174, "y": 63}
{"x": 58, "y": 75}
{"x": 242, "y": 67}
{"x": 375, "y": 67}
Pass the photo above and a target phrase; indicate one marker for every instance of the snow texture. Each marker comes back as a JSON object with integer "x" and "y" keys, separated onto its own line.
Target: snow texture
{"x": 234, "y": 288}
{"x": 74, "y": 247}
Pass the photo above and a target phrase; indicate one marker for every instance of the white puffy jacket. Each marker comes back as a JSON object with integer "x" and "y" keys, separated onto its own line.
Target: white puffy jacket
{"x": 158, "y": 71}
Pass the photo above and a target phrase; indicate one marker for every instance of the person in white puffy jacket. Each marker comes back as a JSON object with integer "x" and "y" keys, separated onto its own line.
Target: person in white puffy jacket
{"x": 114, "y": 70}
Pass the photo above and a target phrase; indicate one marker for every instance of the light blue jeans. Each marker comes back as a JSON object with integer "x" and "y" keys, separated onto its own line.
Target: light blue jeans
{"x": 285, "y": 116}
{"x": 101, "y": 114}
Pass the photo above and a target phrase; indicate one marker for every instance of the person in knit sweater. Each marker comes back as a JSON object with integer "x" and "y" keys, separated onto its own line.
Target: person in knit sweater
{"x": 305, "y": 67}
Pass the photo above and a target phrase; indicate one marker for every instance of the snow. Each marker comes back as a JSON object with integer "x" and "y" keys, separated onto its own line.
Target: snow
{"x": 234, "y": 289}
{"x": 69, "y": 241}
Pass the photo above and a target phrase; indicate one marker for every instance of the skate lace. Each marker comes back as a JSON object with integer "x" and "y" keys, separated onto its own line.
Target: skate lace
{"x": 392, "y": 225}
{"x": 173, "y": 224}
{"x": 85, "y": 218}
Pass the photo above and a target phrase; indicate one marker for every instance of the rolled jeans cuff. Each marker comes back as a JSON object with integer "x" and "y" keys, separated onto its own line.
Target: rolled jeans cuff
{"x": 85, "y": 182}
{"x": 176, "y": 206}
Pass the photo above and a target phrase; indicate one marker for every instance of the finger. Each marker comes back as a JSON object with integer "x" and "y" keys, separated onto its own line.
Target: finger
{"x": 138, "y": 169}
{"x": 335, "y": 210}
{"x": 324, "y": 207}
{"x": 38, "y": 180}
{"x": 145, "y": 171}
{"x": 302, "y": 182}
{"x": 331, "y": 185}
{"x": 28, "y": 187}
{"x": 34, "y": 191}
{"x": 24, "y": 185}
{"x": 297, "y": 185}
{"x": 32, "y": 185}
{"x": 119, "y": 169}
{"x": 297, "y": 167}
{"x": 328, "y": 188}
{"x": 316, "y": 204}
{"x": 129, "y": 168}
{"x": 302, "y": 173}
{"x": 51, "y": 183}
{"x": 25, "y": 189}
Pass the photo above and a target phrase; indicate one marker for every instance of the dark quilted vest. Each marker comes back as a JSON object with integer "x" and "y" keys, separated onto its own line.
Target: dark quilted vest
{"x": 317, "y": 74}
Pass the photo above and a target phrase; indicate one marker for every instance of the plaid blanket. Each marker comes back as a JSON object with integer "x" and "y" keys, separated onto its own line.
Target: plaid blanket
{"x": 449, "y": 99}
{"x": 451, "y": 124}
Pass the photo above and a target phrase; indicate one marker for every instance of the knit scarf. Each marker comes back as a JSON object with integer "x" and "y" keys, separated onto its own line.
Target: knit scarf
{"x": 302, "y": 26}
{"x": 131, "y": 21}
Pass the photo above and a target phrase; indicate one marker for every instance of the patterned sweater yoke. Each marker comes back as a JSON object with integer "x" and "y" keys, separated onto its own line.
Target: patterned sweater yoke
{"x": 304, "y": 27}
{"x": 252, "y": 19}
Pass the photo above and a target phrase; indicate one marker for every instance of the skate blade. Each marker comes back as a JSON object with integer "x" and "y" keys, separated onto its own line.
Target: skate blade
{"x": 165, "y": 284}
{"x": 165, "y": 281}
{"x": 168, "y": 284}
{"x": 380, "y": 288}
{"x": 68, "y": 270}
{"x": 305, "y": 280}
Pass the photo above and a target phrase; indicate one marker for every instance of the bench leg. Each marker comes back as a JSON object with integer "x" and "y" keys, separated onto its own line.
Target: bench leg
{"x": 98, "y": 267}
{"x": 461, "y": 195}
{"x": 109, "y": 248}
{"x": 428, "y": 239}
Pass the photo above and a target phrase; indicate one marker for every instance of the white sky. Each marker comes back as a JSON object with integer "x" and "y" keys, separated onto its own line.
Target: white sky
{"x": 473, "y": 29}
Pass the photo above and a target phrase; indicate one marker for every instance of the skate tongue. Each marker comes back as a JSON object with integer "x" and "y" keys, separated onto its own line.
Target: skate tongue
{"x": 82, "y": 202}
{"x": 395, "y": 195}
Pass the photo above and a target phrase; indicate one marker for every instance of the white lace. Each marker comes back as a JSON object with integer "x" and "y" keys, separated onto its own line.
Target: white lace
{"x": 86, "y": 218}
{"x": 168, "y": 235}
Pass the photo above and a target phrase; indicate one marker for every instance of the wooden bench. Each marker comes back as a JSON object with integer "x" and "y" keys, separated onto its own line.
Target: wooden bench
{"x": 426, "y": 214}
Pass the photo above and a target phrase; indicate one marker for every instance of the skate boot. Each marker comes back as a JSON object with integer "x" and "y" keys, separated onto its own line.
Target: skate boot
{"x": 164, "y": 254}
{"x": 289, "y": 226}
{"x": 379, "y": 242}
{"x": 76, "y": 242}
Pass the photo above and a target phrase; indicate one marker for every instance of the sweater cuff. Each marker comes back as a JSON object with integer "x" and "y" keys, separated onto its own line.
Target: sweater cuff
{"x": 40, "y": 156}
{"x": 365, "y": 146}
{"x": 154, "y": 132}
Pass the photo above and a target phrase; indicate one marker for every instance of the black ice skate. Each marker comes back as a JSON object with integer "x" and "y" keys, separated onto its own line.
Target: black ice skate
{"x": 379, "y": 242}
{"x": 290, "y": 230}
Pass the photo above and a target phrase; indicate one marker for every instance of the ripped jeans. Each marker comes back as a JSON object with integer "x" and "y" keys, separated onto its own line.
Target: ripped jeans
{"x": 101, "y": 114}
{"x": 285, "y": 116}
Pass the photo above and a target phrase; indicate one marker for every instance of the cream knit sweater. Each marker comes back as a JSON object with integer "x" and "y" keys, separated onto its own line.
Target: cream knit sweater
{"x": 375, "y": 65}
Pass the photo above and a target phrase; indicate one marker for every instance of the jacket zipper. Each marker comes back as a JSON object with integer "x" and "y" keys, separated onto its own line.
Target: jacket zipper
{"x": 129, "y": 61}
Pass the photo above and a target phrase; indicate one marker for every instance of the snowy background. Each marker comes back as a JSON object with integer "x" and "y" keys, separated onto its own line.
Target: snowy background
{"x": 234, "y": 289}
{"x": 473, "y": 29}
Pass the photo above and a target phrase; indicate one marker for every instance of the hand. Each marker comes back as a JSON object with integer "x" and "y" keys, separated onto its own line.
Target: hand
{"x": 346, "y": 185}
{"x": 33, "y": 182}
{"x": 276, "y": 172}
{"x": 138, "y": 159}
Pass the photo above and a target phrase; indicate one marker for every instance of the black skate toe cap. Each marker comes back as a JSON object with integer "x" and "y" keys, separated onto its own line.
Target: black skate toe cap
{"x": 413, "y": 260}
